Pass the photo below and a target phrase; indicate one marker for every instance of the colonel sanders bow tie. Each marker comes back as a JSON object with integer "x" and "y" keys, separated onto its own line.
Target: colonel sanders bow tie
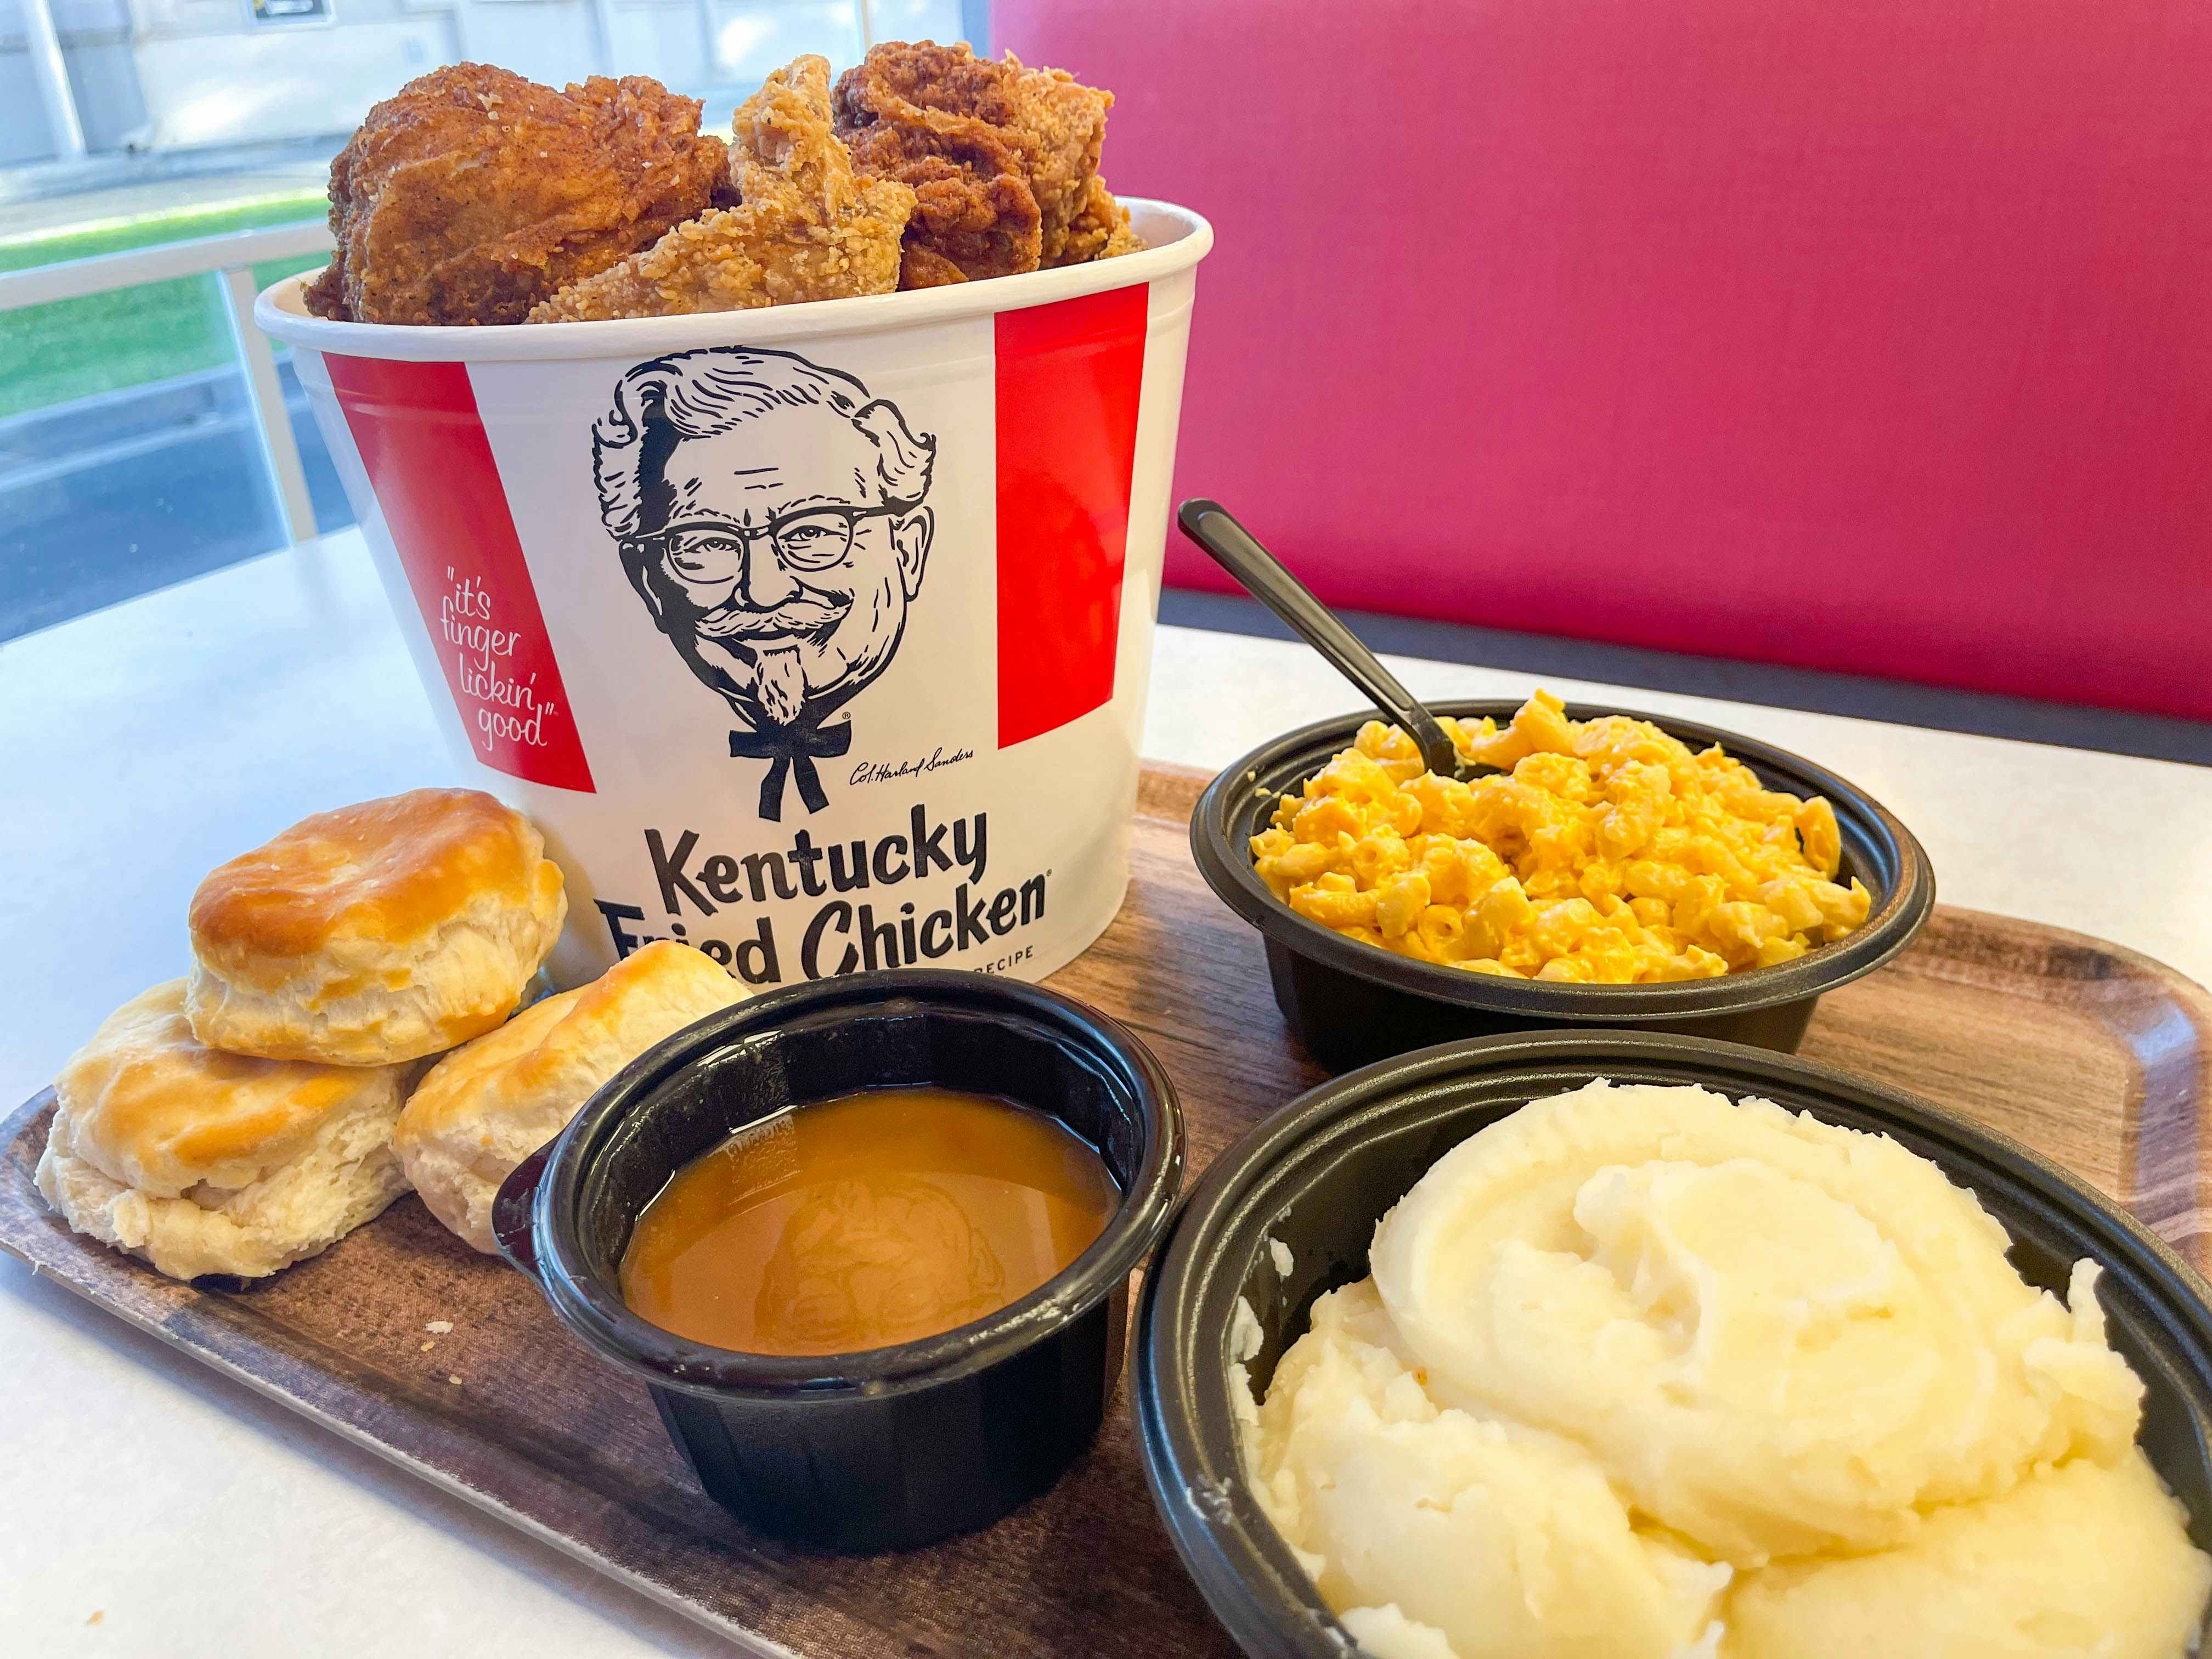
{"x": 792, "y": 751}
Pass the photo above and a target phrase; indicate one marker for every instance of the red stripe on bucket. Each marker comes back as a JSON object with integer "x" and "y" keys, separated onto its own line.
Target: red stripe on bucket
{"x": 422, "y": 444}
{"x": 1068, "y": 380}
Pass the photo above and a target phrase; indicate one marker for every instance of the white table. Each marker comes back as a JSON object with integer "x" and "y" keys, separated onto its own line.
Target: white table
{"x": 146, "y": 743}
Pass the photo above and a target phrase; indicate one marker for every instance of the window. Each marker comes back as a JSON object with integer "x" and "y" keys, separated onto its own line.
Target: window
{"x": 133, "y": 453}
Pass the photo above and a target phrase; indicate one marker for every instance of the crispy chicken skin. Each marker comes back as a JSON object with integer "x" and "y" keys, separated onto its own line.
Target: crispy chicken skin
{"x": 805, "y": 227}
{"x": 1100, "y": 231}
{"x": 925, "y": 267}
{"x": 472, "y": 193}
{"x": 1003, "y": 159}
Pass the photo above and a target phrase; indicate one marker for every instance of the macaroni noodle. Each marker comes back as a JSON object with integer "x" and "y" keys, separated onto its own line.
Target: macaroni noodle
{"x": 1604, "y": 851}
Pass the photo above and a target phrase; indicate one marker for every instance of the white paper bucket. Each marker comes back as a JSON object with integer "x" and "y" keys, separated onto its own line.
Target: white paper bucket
{"x": 816, "y": 635}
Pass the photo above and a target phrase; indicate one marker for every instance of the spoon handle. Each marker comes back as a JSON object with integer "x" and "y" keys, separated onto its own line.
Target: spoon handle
{"x": 1236, "y": 550}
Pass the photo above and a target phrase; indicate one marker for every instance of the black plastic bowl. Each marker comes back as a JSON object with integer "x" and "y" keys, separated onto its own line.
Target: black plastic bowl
{"x": 1351, "y": 1003}
{"x": 1317, "y": 1176}
{"x": 898, "y": 1446}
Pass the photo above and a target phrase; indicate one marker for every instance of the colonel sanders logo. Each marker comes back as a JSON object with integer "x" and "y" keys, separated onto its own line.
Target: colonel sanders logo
{"x": 770, "y": 515}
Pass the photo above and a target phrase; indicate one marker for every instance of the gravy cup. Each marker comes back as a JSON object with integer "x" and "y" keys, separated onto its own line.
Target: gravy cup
{"x": 892, "y": 1447}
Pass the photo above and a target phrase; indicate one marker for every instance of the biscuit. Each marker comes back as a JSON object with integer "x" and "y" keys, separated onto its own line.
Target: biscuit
{"x": 484, "y": 1108}
{"x": 379, "y": 932}
{"x": 201, "y": 1162}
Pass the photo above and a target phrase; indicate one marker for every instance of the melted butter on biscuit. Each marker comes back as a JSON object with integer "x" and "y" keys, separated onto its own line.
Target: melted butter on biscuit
{"x": 156, "y": 1109}
{"x": 391, "y": 870}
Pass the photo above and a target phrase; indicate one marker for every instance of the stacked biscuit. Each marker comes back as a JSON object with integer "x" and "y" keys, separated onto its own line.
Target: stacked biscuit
{"x": 258, "y": 1110}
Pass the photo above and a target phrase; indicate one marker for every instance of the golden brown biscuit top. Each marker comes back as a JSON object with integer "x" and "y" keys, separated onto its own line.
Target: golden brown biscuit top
{"x": 390, "y": 872}
{"x": 654, "y": 991}
{"x": 157, "y": 1110}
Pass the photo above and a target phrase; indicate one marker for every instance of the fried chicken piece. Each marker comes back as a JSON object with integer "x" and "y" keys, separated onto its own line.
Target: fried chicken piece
{"x": 472, "y": 193}
{"x": 805, "y": 227}
{"x": 925, "y": 267}
{"x": 972, "y": 212}
{"x": 1066, "y": 122}
{"x": 1001, "y": 157}
{"x": 1101, "y": 230}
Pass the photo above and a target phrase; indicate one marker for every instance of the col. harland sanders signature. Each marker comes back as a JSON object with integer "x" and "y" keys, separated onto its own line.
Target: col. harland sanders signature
{"x": 891, "y": 771}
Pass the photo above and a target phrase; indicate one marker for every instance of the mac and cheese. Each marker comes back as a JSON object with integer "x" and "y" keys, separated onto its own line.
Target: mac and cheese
{"x": 1604, "y": 851}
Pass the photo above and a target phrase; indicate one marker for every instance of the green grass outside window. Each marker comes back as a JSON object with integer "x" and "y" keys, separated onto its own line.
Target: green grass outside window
{"x": 71, "y": 348}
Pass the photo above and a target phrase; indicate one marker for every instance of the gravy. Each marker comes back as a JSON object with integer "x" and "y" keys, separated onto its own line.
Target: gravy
{"x": 872, "y": 1219}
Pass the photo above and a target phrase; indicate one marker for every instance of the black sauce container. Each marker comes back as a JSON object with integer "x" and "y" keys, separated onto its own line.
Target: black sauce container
{"x": 893, "y": 1446}
{"x": 1351, "y": 1003}
{"x": 1317, "y": 1176}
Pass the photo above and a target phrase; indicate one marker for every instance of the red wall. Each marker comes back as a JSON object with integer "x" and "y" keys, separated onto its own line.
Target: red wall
{"x": 1867, "y": 336}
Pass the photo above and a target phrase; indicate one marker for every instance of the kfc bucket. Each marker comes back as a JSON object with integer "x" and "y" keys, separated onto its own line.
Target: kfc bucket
{"x": 815, "y": 635}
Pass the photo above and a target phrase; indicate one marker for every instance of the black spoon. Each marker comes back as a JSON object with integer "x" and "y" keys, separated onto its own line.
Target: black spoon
{"x": 1236, "y": 550}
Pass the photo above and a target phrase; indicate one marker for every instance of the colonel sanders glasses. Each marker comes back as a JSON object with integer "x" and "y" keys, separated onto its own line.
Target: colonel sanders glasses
{"x": 816, "y": 539}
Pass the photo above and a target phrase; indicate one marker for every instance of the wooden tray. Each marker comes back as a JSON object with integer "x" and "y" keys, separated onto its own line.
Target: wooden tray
{"x": 2096, "y": 1056}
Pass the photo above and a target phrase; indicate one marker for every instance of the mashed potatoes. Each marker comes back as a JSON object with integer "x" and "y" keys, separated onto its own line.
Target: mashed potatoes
{"x": 1642, "y": 1372}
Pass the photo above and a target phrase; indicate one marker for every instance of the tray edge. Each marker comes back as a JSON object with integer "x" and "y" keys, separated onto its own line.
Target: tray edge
{"x": 18, "y": 1125}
